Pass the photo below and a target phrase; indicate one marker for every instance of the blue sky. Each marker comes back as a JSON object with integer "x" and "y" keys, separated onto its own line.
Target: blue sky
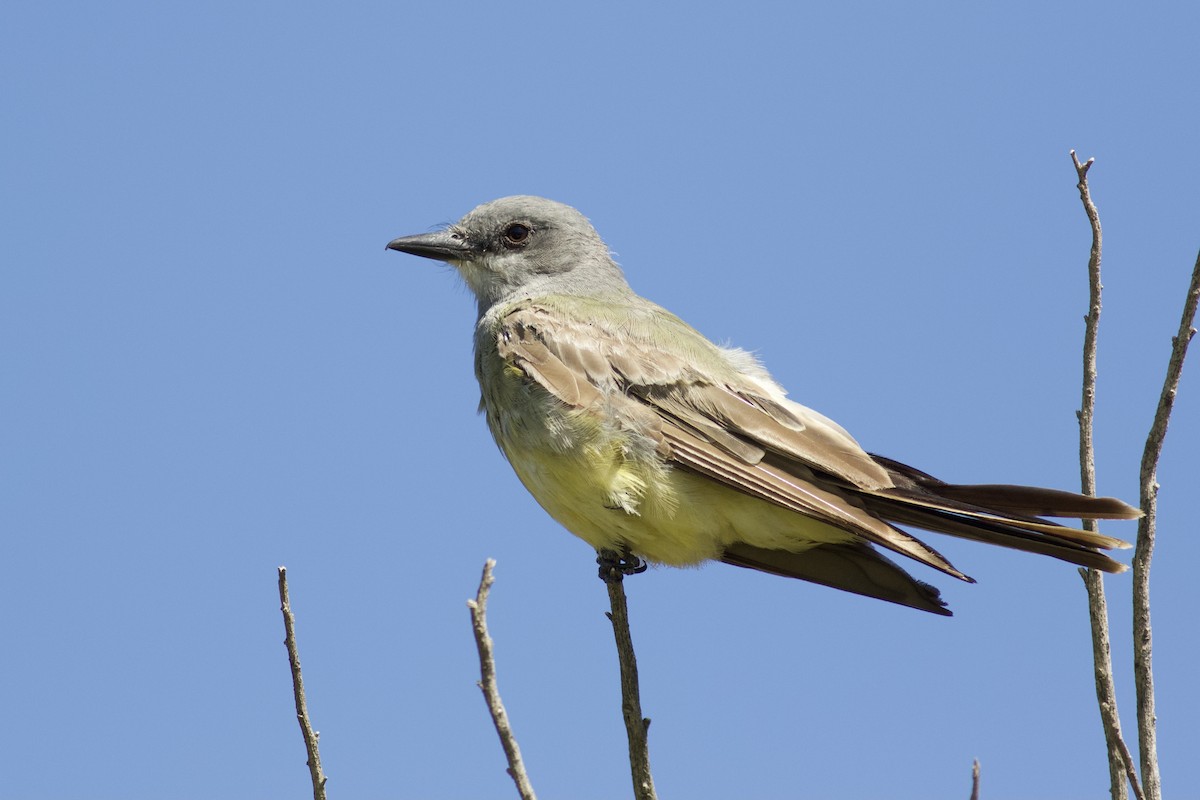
{"x": 210, "y": 367}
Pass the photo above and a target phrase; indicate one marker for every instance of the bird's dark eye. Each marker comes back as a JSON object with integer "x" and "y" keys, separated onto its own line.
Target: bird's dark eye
{"x": 517, "y": 234}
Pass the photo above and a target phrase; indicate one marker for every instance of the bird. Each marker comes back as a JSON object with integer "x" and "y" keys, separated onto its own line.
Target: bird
{"x": 645, "y": 439}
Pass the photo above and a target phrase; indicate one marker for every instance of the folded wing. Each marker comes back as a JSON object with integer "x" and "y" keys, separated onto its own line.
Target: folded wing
{"x": 733, "y": 425}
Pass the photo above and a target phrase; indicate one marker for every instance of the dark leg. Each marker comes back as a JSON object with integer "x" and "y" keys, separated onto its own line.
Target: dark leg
{"x": 615, "y": 566}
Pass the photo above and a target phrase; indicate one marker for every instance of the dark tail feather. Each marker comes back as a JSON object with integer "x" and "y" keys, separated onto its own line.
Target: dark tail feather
{"x": 1037, "y": 502}
{"x": 1003, "y": 515}
{"x": 853, "y": 568}
{"x": 983, "y": 530}
{"x": 1022, "y": 500}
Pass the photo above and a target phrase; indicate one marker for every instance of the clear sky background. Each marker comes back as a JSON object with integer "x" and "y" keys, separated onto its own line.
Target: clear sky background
{"x": 211, "y": 367}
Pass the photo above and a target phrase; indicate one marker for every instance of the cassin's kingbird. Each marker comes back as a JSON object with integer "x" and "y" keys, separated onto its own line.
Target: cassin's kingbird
{"x": 641, "y": 436}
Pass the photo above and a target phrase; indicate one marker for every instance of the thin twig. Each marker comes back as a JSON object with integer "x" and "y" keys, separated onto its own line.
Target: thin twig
{"x": 1120, "y": 762}
{"x": 1142, "y": 667}
{"x": 1120, "y": 766}
{"x": 975, "y": 779}
{"x": 310, "y": 736}
{"x": 636, "y": 726}
{"x": 487, "y": 684}
{"x": 1087, "y": 454}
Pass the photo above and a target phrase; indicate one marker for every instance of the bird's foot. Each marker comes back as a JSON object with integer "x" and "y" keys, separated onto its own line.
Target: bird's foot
{"x": 614, "y": 566}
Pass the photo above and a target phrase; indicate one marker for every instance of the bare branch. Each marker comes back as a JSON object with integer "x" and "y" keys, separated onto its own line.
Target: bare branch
{"x": 1120, "y": 767}
{"x": 1120, "y": 761}
{"x": 306, "y": 729}
{"x": 487, "y": 684}
{"x": 1144, "y": 551}
{"x": 1087, "y": 453}
{"x": 636, "y": 726}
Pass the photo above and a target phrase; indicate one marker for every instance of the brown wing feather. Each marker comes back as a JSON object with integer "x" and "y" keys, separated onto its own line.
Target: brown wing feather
{"x": 731, "y": 402}
{"x": 796, "y": 494}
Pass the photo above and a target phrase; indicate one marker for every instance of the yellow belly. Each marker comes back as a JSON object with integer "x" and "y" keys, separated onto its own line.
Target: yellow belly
{"x": 663, "y": 514}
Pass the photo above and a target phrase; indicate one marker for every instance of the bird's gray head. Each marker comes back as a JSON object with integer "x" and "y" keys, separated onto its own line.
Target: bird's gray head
{"x": 522, "y": 245}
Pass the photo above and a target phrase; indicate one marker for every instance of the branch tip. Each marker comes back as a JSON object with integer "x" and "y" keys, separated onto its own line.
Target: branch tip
{"x": 487, "y": 684}
{"x": 311, "y": 737}
{"x": 1118, "y": 767}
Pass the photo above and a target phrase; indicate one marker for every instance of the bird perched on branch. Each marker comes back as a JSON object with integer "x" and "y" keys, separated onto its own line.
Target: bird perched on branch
{"x": 642, "y": 437}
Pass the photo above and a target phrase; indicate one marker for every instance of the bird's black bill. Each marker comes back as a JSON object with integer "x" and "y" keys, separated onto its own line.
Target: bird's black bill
{"x": 440, "y": 245}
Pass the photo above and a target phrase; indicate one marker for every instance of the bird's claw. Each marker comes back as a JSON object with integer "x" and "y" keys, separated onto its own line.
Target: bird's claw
{"x": 614, "y": 566}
